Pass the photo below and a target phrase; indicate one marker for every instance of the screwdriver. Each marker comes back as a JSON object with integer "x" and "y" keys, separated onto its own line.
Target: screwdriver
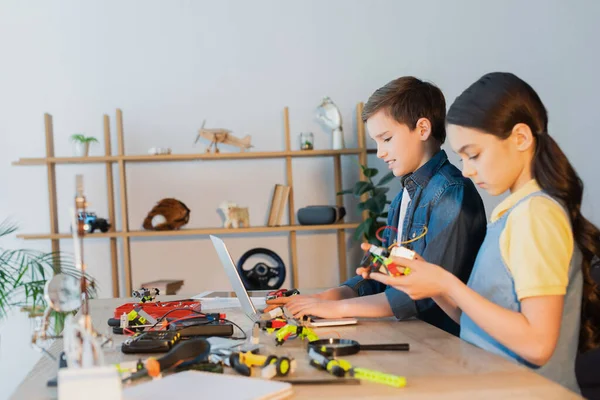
{"x": 185, "y": 353}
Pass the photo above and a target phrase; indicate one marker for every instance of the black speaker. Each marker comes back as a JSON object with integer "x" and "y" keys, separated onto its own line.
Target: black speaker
{"x": 320, "y": 215}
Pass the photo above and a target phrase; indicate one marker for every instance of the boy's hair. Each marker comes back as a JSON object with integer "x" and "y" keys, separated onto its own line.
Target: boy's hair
{"x": 407, "y": 99}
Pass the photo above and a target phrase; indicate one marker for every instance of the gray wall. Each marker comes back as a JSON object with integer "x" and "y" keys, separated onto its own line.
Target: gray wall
{"x": 169, "y": 65}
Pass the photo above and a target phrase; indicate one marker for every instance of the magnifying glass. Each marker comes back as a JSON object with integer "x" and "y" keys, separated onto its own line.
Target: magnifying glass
{"x": 343, "y": 347}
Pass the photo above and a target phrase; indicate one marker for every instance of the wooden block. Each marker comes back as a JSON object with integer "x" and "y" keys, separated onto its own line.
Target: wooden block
{"x": 275, "y": 202}
{"x": 165, "y": 286}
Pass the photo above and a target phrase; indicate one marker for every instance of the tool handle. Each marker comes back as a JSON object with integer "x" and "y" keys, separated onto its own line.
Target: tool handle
{"x": 194, "y": 349}
{"x": 390, "y": 346}
{"x": 379, "y": 377}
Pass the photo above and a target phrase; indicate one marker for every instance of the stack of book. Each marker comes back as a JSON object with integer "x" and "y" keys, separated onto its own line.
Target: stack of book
{"x": 281, "y": 194}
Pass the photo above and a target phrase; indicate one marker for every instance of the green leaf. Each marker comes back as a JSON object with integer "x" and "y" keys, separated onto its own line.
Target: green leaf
{"x": 380, "y": 190}
{"x": 24, "y": 273}
{"x": 360, "y": 229}
{"x": 347, "y": 191}
{"x": 376, "y": 204}
{"x": 380, "y": 199}
{"x": 78, "y": 137}
{"x": 361, "y": 188}
{"x": 361, "y": 206}
{"x": 387, "y": 178}
{"x": 384, "y": 215}
{"x": 370, "y": 172}
{"x": 372, "y": 206}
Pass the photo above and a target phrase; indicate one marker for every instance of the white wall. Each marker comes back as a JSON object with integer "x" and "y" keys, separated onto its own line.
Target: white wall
{"x": 169, "y": 65}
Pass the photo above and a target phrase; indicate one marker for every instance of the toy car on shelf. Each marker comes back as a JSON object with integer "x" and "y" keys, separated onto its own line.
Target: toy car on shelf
{"x": 91, "y": 222}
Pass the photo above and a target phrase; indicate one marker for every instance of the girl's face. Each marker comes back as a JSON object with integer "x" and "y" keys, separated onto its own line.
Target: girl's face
{"x": 494, "y": 164}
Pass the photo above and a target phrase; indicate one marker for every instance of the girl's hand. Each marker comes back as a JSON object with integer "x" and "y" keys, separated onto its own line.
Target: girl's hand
{"x": 425, "y": 280}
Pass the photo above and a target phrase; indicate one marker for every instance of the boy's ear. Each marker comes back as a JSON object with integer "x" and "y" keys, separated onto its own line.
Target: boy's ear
{"x": 522, "y": 137}
{"x": 423, "y": 129}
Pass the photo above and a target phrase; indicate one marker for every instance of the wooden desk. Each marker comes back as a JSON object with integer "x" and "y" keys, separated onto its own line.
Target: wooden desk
{"x": 437, "y": 365}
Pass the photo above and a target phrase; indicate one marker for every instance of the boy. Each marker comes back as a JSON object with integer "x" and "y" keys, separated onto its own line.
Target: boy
{"x": 406, "y": 118}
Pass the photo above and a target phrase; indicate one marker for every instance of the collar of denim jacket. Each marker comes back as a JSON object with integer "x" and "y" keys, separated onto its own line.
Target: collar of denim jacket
{"x": 422, "y": 176}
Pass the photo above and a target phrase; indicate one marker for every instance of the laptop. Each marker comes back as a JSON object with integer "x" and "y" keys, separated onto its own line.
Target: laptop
{"x": 244, "y": 298}
{"x": 235, "y": 279}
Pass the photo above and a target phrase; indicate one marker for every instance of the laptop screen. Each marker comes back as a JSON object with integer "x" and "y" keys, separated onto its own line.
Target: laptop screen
{"x": 234, "y": 278}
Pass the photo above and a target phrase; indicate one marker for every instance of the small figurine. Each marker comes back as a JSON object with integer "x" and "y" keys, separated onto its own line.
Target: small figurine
{"x": 329, "y": 114}
{"x": 234, "y": 215}
{"x": 218, "y": 135}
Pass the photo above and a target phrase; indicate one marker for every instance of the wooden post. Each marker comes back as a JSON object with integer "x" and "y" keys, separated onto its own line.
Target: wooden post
{"x": 362, "y": 156}
{"x": 341, "y": 233}
{"x": 110, "y": 189}
{"x": 124, "y": 213}
{"x": 291, "y": 208}
{"x": 51, "y": 171}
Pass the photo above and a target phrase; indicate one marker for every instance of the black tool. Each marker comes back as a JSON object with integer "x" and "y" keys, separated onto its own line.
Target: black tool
{"x": 151, "y": 342}
{"x": 343, "y": 347}
{"x": 184, "y": 354}
{"x": 202, "y": 327}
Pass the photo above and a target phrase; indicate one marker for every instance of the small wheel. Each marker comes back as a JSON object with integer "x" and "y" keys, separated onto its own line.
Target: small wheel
{"x": 284, "y": 365}
{"x": 270, "y": 360}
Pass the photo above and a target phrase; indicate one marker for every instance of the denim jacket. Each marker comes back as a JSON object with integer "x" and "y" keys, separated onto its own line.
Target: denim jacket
{"x": 449, "y": 205}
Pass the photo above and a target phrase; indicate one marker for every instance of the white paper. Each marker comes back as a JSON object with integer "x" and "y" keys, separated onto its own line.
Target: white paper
{"x": 206, "y": 385}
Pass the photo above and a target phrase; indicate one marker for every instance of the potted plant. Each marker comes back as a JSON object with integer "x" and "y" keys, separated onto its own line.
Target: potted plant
{"x": 375, "y": 204}
{"x": 82, "y": 144}
{"x": 23, "y": 276}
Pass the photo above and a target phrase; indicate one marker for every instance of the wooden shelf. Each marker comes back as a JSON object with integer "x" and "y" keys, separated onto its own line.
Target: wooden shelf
{"x": 99, "y": 235}
{"x": 119, "y": 160}
{"x": 185, "y": 157}
{"x": 195, "y": 232}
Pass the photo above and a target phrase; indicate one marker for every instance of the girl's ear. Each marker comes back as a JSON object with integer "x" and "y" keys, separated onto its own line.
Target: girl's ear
{"x": 522, "y": 137}
{"x": 423, "y": 129}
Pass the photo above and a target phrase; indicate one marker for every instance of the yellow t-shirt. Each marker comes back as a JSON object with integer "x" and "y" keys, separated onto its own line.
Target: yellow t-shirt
{"x": 536, "y": 243}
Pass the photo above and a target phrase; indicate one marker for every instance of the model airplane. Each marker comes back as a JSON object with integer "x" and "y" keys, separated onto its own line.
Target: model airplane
{"x": 218, "y": 135}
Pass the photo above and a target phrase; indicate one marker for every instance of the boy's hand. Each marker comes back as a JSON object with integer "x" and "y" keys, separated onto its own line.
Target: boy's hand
{"x": 271, "y": 304}
{"x": 316, "y": 307}
{"x": 424, "y": 281}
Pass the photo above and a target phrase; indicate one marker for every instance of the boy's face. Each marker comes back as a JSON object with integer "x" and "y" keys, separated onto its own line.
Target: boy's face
{"x": 401, "y": 148}
{"x": 494, "y": 164}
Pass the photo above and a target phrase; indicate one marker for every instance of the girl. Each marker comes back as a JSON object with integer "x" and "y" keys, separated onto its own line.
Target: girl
{"x": 530, "y": 297}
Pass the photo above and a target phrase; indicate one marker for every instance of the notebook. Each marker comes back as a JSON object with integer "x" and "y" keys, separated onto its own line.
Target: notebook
{"x": 207, "y": 385}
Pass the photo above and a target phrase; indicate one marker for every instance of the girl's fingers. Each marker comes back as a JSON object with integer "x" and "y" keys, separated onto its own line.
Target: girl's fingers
{"x": 363, "y": 272}
{"x": 406, "y": 262}
{"x": 365, "y": 246}
{"x": 385, "y": 279}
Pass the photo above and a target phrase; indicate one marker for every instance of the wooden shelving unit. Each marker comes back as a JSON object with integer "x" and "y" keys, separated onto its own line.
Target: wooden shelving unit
{"x": 121, "y": 159}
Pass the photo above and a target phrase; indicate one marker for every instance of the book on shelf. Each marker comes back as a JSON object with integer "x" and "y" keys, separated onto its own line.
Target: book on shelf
{"x": 281, "y": 194}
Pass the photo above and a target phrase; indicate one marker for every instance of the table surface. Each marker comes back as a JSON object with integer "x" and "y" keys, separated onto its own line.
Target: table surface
{"x": 438, "y": 364}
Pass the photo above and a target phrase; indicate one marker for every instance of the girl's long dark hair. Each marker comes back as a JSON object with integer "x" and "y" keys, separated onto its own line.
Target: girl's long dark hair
{"x": 495, "y": 104}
